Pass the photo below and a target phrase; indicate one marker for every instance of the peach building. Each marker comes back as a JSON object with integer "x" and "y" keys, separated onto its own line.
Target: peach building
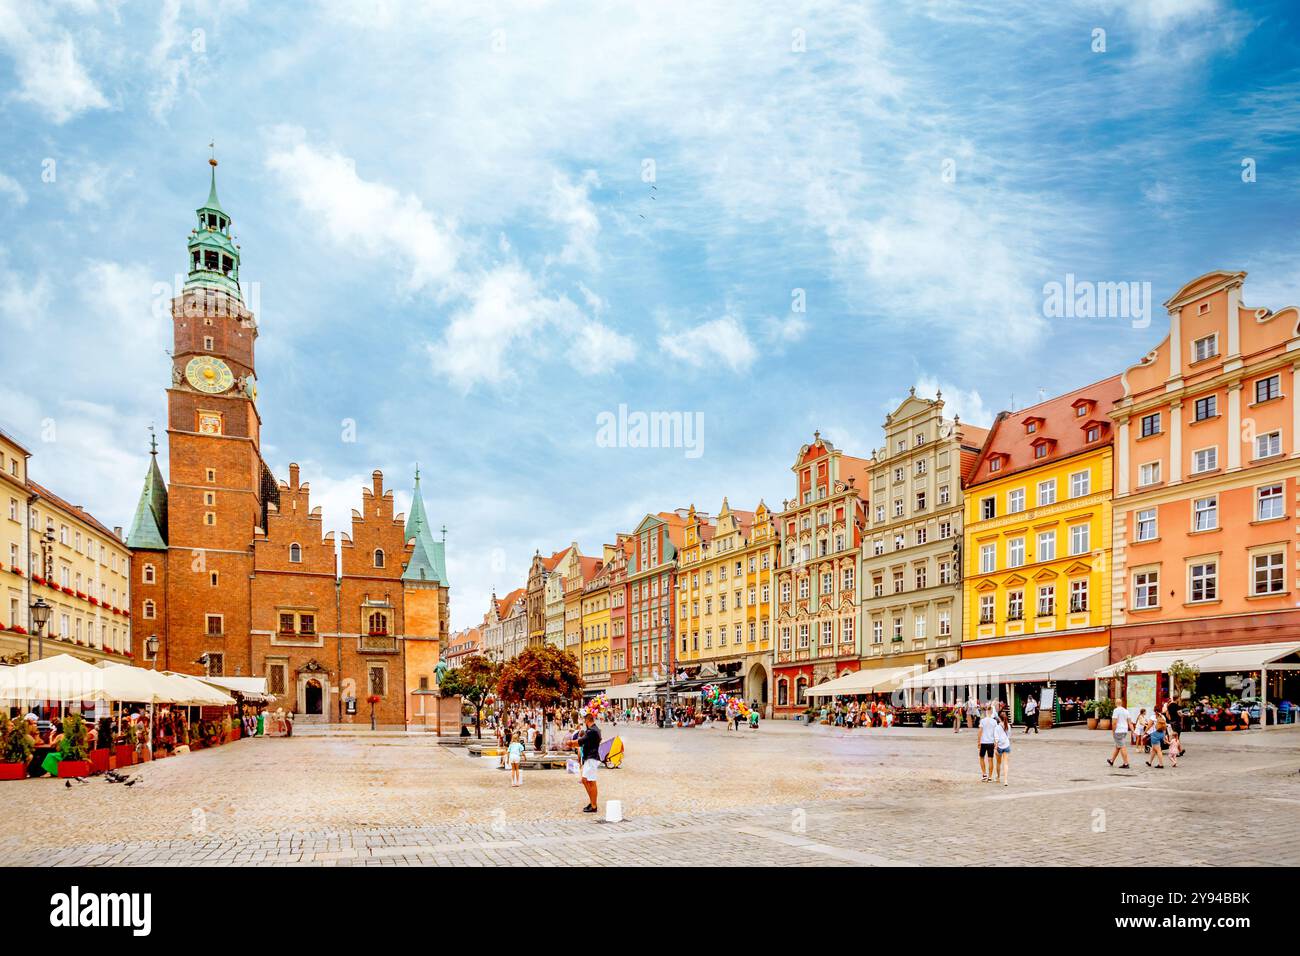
{"x": 1206, "y": 481}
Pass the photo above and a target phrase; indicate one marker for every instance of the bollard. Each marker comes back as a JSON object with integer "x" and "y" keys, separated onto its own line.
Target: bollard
{"x": 613, "y": 811}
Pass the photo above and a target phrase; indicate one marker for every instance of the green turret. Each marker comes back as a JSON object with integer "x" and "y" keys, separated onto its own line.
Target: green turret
{"x": 214, "y": 257}
{"x": 428, "y": 560}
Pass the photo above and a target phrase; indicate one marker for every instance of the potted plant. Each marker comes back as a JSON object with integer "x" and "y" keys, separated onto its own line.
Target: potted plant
{"x": 73, "y": 747}
{"x": 15, "y": 752}
{"x": 1090, "y": 710}
{"x": 1103, "y": 709}
{"x": 126, "y": 756}
{"x": 101, "y": 758}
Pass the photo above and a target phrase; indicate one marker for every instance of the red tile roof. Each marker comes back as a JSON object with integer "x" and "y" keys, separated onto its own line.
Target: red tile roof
{"x": 506, "y": 603}
{"x": 1060, "y": 427}
{"x": 75, "y": 510}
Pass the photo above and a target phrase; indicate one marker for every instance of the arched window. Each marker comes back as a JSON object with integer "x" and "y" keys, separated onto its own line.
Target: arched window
{"x": 295, "y": 553}
{"x": 149, "y": 611}
{"x": 782, "y": 692}
{"x": 148, "y": 574}
{"x": 378, "y": 620}
{"x": 801, "y": 691}
{"x": 379, "y": 557}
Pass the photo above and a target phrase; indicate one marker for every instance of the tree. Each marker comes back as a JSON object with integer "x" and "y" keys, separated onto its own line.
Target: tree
{"x": 545, "y": 676}
{"x": 473, "y": 680}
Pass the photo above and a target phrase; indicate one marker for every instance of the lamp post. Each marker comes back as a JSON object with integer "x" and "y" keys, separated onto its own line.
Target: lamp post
{"x": 40, "y": 617}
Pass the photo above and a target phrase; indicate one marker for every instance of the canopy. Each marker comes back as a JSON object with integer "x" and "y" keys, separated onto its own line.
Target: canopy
{"x": 1210, "y": 660}
{"x": 1078, "y": 664}
{"x": 631, "y": 691}
{"x": 252, "y": 689}
{"x": 135, "y": 684}
{"x": 61, "y": 677}
{"x": 871, "y": 680}
{"x": 195, "y": 693}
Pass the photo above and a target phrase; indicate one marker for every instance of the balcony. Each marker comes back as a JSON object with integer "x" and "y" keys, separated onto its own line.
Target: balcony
{"x": 379, "y": 642}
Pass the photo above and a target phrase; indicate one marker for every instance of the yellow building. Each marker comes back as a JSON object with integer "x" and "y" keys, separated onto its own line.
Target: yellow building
{"x": 56, "y": 552}
{"x": 724, "y": 603}
{"x": 595, "y": 631}
{"x": 1037, "y": 547}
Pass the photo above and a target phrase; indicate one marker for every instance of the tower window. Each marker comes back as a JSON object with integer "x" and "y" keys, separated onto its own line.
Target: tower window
{"x": 295, "y": 553}
{"x": 226, "y": 264}
{"x": 211, "y": 260}
{"x": 379, "y": 557}
{"x": 148, "y": 574}
{"x": 207, "y": 343}
{"x": 210, "y": 518}
{"x": 212, "y": 474}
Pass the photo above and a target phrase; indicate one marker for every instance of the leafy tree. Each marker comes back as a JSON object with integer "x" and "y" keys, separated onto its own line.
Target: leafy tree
{"x": 473, "y": 680}
{"x": 545, "y": 676}
{"x": 73, "y": 745}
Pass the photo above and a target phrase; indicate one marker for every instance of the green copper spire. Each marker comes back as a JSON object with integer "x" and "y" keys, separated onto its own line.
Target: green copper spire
{"x": 149, "y": 529}
{"x": 428, "y": 560}
{"x": 214, "y": 257}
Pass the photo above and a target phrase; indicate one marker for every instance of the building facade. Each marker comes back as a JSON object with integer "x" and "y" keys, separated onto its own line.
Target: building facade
{"x": 595, "y": 631}
{"x": 55, "y": 551}
{"x": 817, "y": 612}
{"x": 553, "y": 591}
{"x": 1207, "y": 487}
{"x": 234, "y": 575}
{"x": 615, "y": 561}
{"x": 910, "y": 581}
{"x": 651, "y": 578}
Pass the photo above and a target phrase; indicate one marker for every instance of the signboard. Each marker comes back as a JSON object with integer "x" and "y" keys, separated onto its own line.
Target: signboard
{"x": 1046, "y": 700}
{"x": 1140, "y": 691}
{"x": 350, "y": 705}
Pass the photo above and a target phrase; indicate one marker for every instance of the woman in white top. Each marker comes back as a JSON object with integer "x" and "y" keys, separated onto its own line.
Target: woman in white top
{"x": 1002, "y": 741}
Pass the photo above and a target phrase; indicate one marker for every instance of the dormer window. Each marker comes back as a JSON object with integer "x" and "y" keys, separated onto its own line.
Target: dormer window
{"x": 1033, "y": 424}
{"x": 1043, "y": 447}
{"x": 1031, "y": 427}
{"x": 995, "y": 464}
{"x": 1082, "y": 407}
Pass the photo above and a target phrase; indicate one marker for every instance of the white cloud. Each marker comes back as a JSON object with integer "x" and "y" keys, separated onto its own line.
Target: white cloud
{"x": 25, "y": 303}
{"x": 50, "y": 74}
{"x": 597, "y": 348}
{"x": 170, "y": 69}
{"x": 721, "y": 340}
{"x": 11, "y": 186}
{"x": 966, "y": 404}
{"x": 368, "y": 217}
{"x": 571, "y": 208}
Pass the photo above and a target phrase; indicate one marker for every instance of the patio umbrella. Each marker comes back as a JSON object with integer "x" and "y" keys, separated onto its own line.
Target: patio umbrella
{"x": 61, "y": 677}
{"x": 125, "y": 683}
{"x": 194, "y": 692}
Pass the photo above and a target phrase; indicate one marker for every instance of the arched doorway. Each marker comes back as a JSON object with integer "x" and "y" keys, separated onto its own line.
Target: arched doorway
{"x": 756, "y": 687}
{"x": 313, "y": 696}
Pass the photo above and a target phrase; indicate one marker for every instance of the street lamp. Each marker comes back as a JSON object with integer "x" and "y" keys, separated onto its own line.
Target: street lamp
{"x": 40, "y": 617}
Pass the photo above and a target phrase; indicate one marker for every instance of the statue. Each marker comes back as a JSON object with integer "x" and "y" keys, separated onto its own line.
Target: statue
{"x": 439, "y": 671}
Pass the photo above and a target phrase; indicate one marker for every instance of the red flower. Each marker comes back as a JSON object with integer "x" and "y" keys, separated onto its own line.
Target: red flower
{"x": 18, "y": 629}
{"x": 373, "y": 699}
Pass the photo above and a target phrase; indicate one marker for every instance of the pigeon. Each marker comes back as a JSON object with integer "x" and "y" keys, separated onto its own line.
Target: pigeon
{"x": 132, "y": 782}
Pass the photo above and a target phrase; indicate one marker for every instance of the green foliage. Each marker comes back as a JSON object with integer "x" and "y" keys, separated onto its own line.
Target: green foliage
{"x": 1183, "y": 678}
{"x": 17, "y": 745}
{"x": 1103, "y": 708}
{"x": 130, "y": 735}
{"x": 73, "y": 746}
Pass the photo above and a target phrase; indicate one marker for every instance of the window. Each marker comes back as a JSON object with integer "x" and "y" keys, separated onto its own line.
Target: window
{"x": 920, "y": 574}
{"x": 995, "y": 464}
{"x": 1031, "y": 427}
{"x": 1205, "y": 348}
{"x": 1149, "y": 473}
{"x": 1266, "y": 446}
{"x": 377, "y": 681}
{"x": 898, "y": 507}
{"x": 295, "y": 554}
{"x": 828, "y": 633}
{"x": 920, "y": 501}
{"x": 803, "y": 635}
{"x": 1147, "y": 529}
{"x": 1015, "y": 605}
{"x": 216, "y": 664}
{"x": 945, "y": 572}
{"x": 898, "y": 582}
{"x": 1205, "y": 513}
{"x": 1205, "y": 459}
{"x": 1079, "y": 596}
{"x": 945, "y": 530}
{"x": 1015, "y": 552}
{"x": 945, "y": 623}
{"x": 919, "y": 627}
{"x": 782, "y": 693}
{"x": 1047, "y": 600}
{"x": 986, "y": 608}
{"x": 1047, "y": 492}
{"x": 1047, "y": 545}
{"x": 801, "y": 691}
{"x": 1268, "y": 503}
{"x": 379, "y": 557}
{"x": 1268, "y": 573}
{"x": 150, "y": 610}
{"x": 1267, "y": 389}
{"x": 275, "y": 678}
{"x": 1093, "y": 433}
{"x": 210, "y": 518}
{"x": 1015, "y": 500}
{"x": 1207, "y": 407}
{"x": 877, "y": 632}
{"x": 148, "y": 575}
{"x": 1041, "y": 450}
{"x": 988, "y": 558}
{"x": 214, "y": 625}
{"x": 1146, "y": 590}
{"x": 921, "y": 535}
{"x": 1080, "y": 483}
{"x": 988, "y": 508}
{"x": 378, "y": 623}
{"x": 803, "y": 589}
{"x": 286, "y": 623}
{"x": 1079, "y": 539}
{"x": 945, "y": 496}
{"x": 1203, "y": 581}
{"x": 1150, "y": 424}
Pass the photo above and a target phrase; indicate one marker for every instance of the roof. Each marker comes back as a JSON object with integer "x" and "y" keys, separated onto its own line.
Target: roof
{"x": 551, "y": 563}
{"x": 75, "y": 510}
{"x": 429, "y": 560}
{"x": 1011, "y": 441}
{"x": 589, "y": 567}
{"x": 859, "y": 469}
{"x": 506, "y": 603}
{"x": 149, "y": 527}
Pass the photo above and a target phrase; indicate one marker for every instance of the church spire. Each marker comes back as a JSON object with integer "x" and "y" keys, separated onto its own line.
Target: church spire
{"x": 214, "y": 256}
{"x": 149, "y": 529}
{"x": 428, "y": 560}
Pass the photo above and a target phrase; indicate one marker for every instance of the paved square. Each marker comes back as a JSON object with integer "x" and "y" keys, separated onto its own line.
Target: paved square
{"x": 786, "y": 795}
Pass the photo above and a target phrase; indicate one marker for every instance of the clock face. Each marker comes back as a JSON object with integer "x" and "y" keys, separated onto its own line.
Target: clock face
{"x": 945, "y": 430}
{"x": 209, "y": 374}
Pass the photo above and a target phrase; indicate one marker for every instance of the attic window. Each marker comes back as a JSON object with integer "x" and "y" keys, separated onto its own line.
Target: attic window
{"x": 1094, "y": 433}
{"x": 1081, "y": 411}
{"x": 1031, "y": 427}
{"x": 995, "y": 464}
{"x": 1040, "y": 451}
{"x": 1204, "y": 307}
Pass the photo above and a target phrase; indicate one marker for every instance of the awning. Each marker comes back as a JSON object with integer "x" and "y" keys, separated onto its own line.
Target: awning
{"x": 61, "y": 677}
{"x": 871, "y": 680}
{"x": 1078, "y": 664}
{"x": 631, "y": 691}
{"x": 1210, "y": 660}
{"x": 192, "y": 692}
{"x": 251, "y": 689}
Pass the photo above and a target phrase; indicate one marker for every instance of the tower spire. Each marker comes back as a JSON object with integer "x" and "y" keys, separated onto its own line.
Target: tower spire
{"x": 214, "y": 257}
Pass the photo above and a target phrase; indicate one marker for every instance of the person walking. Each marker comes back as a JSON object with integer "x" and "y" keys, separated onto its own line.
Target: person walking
{"x": 1002, "y": 740}
{"x": 588, "y": 747}
{"x": 988, "y": 745}
{"x": 1120, "y": 726}
{"x": 1031, "y": 713}
{"x": 957, "y": 708}
{"x": 1156, "y": 741}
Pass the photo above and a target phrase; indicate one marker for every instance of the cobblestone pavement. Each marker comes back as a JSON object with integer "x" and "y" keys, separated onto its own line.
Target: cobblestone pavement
{"x": 787, "y": 795}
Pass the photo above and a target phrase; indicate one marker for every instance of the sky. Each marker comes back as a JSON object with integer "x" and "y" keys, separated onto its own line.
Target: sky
{"x": 471, "y": 232}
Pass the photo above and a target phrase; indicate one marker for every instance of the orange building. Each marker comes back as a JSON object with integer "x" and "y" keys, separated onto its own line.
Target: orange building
{"x": 1206, "y": 489}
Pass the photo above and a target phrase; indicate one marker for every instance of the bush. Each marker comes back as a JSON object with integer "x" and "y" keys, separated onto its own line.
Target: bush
{"x": 17, "y": 746}
{"x": 1103, "y": 708}
{"x": 73, "y": 744}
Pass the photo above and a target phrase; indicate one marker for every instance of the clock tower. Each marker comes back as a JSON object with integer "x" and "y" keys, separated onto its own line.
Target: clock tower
{"x": 218, "y": 485}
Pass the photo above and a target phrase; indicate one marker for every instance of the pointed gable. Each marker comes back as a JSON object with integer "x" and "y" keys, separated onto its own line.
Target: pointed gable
{"x": 149, "y": 527}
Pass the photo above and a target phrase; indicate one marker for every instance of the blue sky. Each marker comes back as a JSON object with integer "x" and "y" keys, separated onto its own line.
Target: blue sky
{"x": 446, "y": 213}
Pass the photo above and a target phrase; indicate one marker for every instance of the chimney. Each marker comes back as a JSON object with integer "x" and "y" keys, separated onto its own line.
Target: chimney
{"x": 378, "y": 477}
{"x": 293, "y": 474}
{"x": 117, "y": 533}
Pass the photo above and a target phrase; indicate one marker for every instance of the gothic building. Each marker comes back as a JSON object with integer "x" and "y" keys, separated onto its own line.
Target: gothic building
{"x": 233, "y": 572}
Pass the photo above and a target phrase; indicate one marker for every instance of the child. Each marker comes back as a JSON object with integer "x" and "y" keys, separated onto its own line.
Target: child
{"x": 516, "y": 753}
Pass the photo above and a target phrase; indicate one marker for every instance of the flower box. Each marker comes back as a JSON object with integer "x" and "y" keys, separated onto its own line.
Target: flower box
{"x": 74, "y": 768}
{"x": 94, "y": 601}
{"x": 125, "y": 757}
{"x": 13, "y": 771}
{"x": 82, "y": 595}
{"x": 18, "y": 629}
{"x": 37, "y": 579}
{"x": 16, "y": 570}
{"x": 100, "y": 760}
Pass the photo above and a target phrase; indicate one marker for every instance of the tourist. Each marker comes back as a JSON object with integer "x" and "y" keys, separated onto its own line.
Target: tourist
{"x": 956, "y": 716}
{"x": 1156, "y": 741}
{"x": 1120, "y": 729}
{"x": 1002, "y": 738}
{"x": 1174, "y": 717}
{"x": 1031, "y": 713}
{"x": 1139, "y": 727}
{"x": 588, "y": 747}
{"x": 988, "y": 745}
{"x": 516, "y": 752}
{"x": 972, "y": 710}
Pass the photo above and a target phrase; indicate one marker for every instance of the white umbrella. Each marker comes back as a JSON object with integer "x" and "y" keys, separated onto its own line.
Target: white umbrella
{"x": 123, "y": 682}
{"x": 194, "y": 692}
{"x": 61, "y": 677}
